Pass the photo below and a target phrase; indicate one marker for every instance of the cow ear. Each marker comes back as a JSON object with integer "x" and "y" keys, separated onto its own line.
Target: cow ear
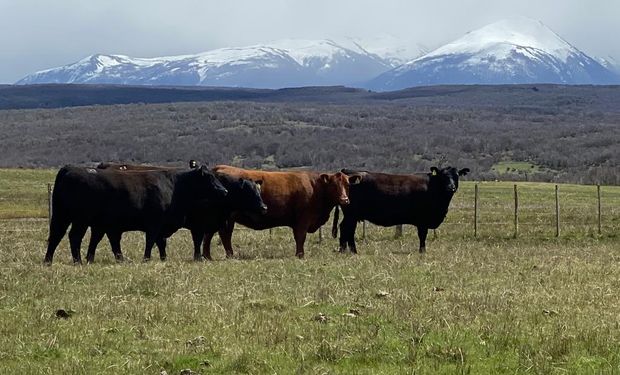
{"x": 355, "y": 179}
{"x": 464, "y": 171}
{"x": 434, "y": 171}
{"x": 324, "y": 177}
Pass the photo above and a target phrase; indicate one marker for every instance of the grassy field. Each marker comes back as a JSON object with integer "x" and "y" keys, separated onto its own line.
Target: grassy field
{"x": 486, "y": 305}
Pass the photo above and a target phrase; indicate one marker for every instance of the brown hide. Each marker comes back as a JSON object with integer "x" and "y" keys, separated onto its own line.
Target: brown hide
{"x": 301, "y": 200}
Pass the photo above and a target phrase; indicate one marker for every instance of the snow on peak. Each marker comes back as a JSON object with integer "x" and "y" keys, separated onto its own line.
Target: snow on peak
{"x": 386, "y": 46}
{"x": 301, "y": 50}
{"x": 499, "y": 37}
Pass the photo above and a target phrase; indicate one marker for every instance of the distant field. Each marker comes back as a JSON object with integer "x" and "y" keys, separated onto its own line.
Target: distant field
{"x": 486, "y": 305}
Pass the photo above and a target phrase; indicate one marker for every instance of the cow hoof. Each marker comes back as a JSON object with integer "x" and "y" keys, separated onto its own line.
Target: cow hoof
{"x": 47, "y": 263}
{"x": 199, "y": 259}
{"x": 77, "y": 262}
{"x": 300, "y": 255}
{"x": 120, "y": 259}
{"x": 422, "y": 250}
{"x": 145, "y": 259}
{"x": 163, "y": 259}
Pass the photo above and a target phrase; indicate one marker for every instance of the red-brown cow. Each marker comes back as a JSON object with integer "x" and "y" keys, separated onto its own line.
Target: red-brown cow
{"x": 300, "y": 200}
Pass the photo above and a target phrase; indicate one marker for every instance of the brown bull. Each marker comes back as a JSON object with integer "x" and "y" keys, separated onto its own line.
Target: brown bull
{"x": 299, "y": 200}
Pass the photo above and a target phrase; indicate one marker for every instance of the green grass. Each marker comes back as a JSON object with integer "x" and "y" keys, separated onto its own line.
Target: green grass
{"x": 486, "y": 305}
{"x": 515, "y": 167}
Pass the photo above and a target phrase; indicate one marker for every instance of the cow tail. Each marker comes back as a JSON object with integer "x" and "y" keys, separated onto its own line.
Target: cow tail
{"x": 335, "y": 224}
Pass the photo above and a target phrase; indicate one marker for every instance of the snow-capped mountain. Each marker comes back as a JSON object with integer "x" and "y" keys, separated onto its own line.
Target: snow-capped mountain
{"x": 610, "y": 63}
{"x": 393, "y": 50}
{"x": 283, "y": 63}
{"x": 518, "y": 50}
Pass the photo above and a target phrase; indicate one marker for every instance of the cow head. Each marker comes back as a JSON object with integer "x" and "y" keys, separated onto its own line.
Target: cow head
{"x": 446, "y": 180}
{"x": 249, "y": 197}
{"x": 338, "y": 186}
{"x": 209, "y": 184}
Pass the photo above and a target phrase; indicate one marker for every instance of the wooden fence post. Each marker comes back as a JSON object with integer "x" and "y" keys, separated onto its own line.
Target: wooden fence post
{"x": 557, "y": 212}
{"x": 476, "y": 210}
{"x": 49, "y": 203}
{"x": 516, "y": 212}
{"x": 399, "y": 231}
{"x": 598, "y": 193}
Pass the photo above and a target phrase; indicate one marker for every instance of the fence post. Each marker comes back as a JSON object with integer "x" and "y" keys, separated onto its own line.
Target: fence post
{"x": 598, "y": 193}
{"x": 476, "y": 210}
{"x": 557, "y": 212}
{"x": 49, "y": 203}
{"x": 516, "y": 212}
{"x": 399, "y": 231}
{"x": 320, "y": 234}
{"x": 363, "y": 229}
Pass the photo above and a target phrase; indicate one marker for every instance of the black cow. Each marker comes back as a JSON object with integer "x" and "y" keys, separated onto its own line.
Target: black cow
{"x": 244, "y": 197}
{"x": 208, "y": 216}
{"x": 389, "y": 199}
{"x": 155, "y": 202}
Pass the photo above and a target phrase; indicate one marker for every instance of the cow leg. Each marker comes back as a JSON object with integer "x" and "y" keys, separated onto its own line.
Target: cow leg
{"x": 58, "y": 228}
{"x": 343, "y": 235}
{"x": 197, "y": 237}
{"x": 95, "y": 237}
{"x": 300, "y": 238}
{"x": 422, "y": 232}
{"x": 148, "y": 246}
{"x": 351, "y": 237}
{"x": 206, "y": 245}
{"x": 161, "y": 245}
{"x": 225, "y": 233}
{"x": 76, "y": 234}
{"x": 115, "y": 244}
{"x": 347, "y": 234}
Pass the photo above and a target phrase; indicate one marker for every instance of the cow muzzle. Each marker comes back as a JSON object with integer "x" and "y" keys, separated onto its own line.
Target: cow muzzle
{"x": 343, "y": 201}
{"x": 263, "y": 209}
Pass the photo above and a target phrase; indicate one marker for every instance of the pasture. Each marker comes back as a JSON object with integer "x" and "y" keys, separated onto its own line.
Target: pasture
{"x": 491, "y": 304}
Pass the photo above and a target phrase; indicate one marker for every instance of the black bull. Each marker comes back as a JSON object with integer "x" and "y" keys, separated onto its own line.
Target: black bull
{"x": 389, "y": 199}
{"x": 155, "y": 202}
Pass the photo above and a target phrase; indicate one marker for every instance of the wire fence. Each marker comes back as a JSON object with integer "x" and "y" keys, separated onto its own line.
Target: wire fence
{"x": 484, "y": 209}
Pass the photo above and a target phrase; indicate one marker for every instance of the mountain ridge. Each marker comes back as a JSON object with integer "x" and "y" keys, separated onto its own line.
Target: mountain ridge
{"x": 513, "y": 51}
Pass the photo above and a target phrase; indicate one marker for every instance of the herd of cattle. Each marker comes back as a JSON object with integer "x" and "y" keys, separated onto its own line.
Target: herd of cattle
{"x": 115, "y": 198}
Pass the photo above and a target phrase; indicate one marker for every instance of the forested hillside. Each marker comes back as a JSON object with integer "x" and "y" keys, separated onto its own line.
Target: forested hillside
{"x": 562, "y": 134}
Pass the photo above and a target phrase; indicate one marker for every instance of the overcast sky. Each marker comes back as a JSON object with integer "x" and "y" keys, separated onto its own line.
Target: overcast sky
{"x": 40, "y": 34}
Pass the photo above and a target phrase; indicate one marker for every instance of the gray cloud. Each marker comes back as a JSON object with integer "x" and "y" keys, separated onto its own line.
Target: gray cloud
{"x": 39, "y": 34}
